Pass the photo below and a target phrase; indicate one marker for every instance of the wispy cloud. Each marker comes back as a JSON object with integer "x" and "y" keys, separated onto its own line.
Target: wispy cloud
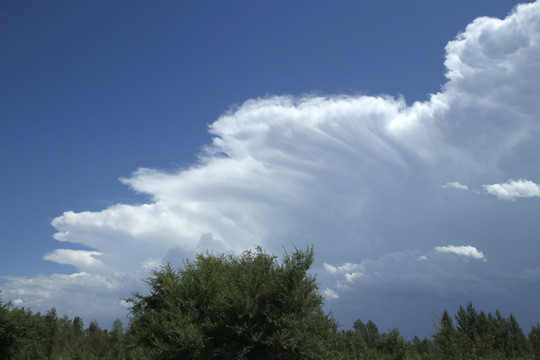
{"x": 466, "y": 251}
{"x": 455, "y": 185}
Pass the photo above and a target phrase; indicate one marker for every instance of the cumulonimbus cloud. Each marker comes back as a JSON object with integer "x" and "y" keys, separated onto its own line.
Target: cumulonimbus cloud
{"x": 357, "y": 176}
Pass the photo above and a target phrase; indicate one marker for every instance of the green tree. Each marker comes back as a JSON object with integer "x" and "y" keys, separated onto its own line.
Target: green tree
{"x": 467, "y": 323}
{"x": 352, "y": 344}
{"x": 96, "y": 341}
{"x": 422, "y": 348}
{"x": 8, "y": 332}
{"x": 64, "y": 342}
{"x": 445, "y": 339}
{"x": 502, "y": 334}
{"x": 18, "y": 331}
{"x": 117, "y": 341}
{"x": 534, "y": 341}
{"x": 393, "y": 345}
{"x": 50, "y": 332}
{"x": 519, "y": 341}
{"x": 369, "y": 332}
{"x": 247, "y": 307}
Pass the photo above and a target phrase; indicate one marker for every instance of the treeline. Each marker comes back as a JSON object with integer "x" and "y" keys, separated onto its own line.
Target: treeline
{"x": 473, "y": 335}
{"x": 25, "y": 335}
{"x": 252, "y": 307}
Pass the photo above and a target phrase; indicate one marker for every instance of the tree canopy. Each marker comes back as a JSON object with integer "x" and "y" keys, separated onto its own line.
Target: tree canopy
{"x": 250, "y": 306}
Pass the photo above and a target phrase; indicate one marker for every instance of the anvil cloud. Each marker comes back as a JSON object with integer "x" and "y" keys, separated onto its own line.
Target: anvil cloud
{"x": 370, "y": 181}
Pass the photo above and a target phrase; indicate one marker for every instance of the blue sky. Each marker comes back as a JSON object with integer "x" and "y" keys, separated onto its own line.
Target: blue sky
{"x": 404, "y": 152}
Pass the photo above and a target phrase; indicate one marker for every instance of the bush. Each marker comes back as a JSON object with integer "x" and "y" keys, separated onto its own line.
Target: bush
{"x": 246, "y": 307}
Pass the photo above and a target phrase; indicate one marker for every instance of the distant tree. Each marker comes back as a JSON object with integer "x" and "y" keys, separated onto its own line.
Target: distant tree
{"x": 480, "y": 336}
{"x": 467, "y": 324}
{"x": 222, "y": 306}
{"x": 393, "y": 345}
{"x": 502, "y": 341}
{"x": 64, "y": 345}
{"x": 423, "y": 348}
{"x": 96, "y": 341}
{"x": 445, "y": 339}
{"x": 17, "y": 328}
{"x": 352, "y": 345}
{"x": 519, "y": 340}
{"x": 369, "y": 332}
{"x": 534, "y": 341}
{"x": 117, "y": 340}
{"x": 50, "y": 332}
{"x": 8, "y": 332}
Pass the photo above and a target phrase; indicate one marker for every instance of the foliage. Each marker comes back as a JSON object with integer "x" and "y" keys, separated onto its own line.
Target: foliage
{"x": 246, "y": 307}
{"x": 534, "y": 341}
{"x": 446, "y": 338}
{"x": 369, "y": 332}
{"x": 478, "y": 335}
{"x": 25, "y": 335}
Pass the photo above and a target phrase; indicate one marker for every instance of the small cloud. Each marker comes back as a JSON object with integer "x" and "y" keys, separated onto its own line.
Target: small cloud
{"x": 349, "y": 271}
{"x": 467, "y": 251}
{"x": 422, "y": 258}
{"x": 343, "y": 268}
{"x": 350, "y": 277}
{"x": 82, "y": 259}
{"x": 330, "y": 268}
{"x": 455, "y": 185}
{"x": 125, "y": 304}
{"x": 513, "y": 189}
{"x": 151, "y": 264}
{"x": 330, "y": 294}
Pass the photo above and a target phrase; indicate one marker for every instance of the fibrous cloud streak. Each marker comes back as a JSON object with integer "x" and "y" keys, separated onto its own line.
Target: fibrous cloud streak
{"x": 467, "y": 251}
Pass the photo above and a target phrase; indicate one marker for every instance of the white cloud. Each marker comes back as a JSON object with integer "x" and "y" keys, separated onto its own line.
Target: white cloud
{"x": 513, "y": 189}
{"x": 455, "y": 185}
{"x": 81, "y": 259}
{"x": 350, "y": 174}
{"x": 343, "y": 268}
{"x": 427, "y": 273}
{"x": 467, "y": 251}
{"x": 330, "y": 294}
{"x": 291, "y": 160}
